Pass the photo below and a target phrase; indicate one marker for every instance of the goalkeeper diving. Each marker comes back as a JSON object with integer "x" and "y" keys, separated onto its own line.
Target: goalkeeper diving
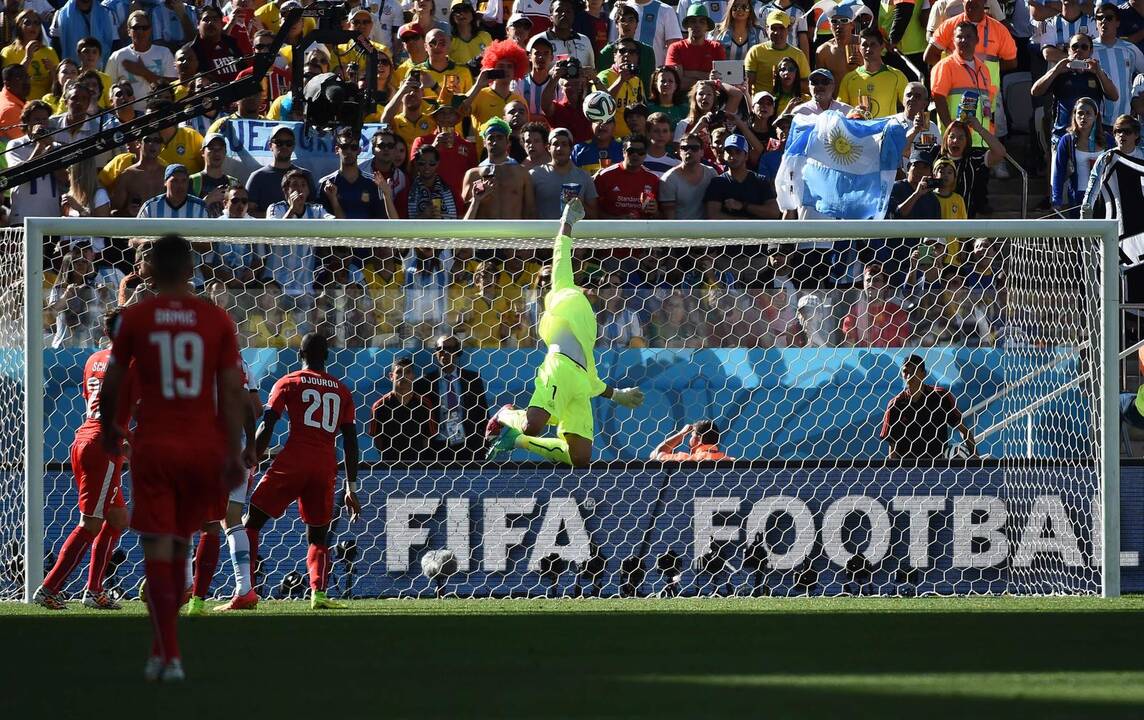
{"x": 566, "y": 381}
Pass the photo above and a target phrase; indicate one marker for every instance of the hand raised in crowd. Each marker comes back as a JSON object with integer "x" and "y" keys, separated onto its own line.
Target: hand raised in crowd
{"x": 384, "y": 185}
{"x": 297, "y": 203}
{"x": 30, "y": 50}
{"x": 330, "y": 190}
{"x": 216, "y": 196}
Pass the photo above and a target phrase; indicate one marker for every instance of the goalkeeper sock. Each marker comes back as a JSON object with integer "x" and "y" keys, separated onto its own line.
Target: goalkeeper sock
{"x": 549, "y": 448}
{"x": 318, "y": 563}
{"x": 206, "y": 561}
{"x": 70, "y": 554}
{"x": 514, "y": 418}
{"x": 239, "y": 545}
{"x": 105, "y": 543}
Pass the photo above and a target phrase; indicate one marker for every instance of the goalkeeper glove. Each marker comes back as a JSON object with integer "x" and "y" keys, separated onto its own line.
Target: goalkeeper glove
{"x": 573, "y": 211}
{"x": 628, "y": 397}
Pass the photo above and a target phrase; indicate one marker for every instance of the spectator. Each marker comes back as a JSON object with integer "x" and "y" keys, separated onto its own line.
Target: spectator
{"x": 1069, "y": 84}
{"x": 762, "y": 58}
{"x": 509, "y": 64}
{"x": 620, "y": 325}
{"x": 1121, "y": 61}
{"x": 622, "y": 81}
{"x": 602, "y": 151}
{"x": 677, "y": 325}
{"x": 917, "y": 421}
{"x": 961, "y": 75}
{"x": 426, "y": 17}
{"x": 411, "y": 122}
{"x": 565, "y": 40}
{"x": 1126, "y": 134}
{"x": 534, "y": 136}
{"x": 694, "y": 54}
{"x": 702, "y": 444}
{"x": 1055, "y": 32}
{"x": 703, "y": 99}
{"x": 876, "y": 319}
{"x": 17, "y": 85}
{"x": 635, "y": 118}
{"x": 683, "y": 188}
{"x": 1132, "y": 22}
{"x": 93, "y": 57}
{"x": 821, "y": 96}
{"x": 952, "y": 204}
{"x": 628, "y": 190}
{"x": 238, "y": 264}
{"x": 797, "y": 34}
{"x": 763, "y": 113}
{"x": 400, "y": 423}
{"x": 438, "y": 72}
{"x": 218, "y": 54}
{"x": 481, "y": 311}
{"x": 627, "y": 22}
{"x": 566, "y": 111}
{"x": 413, "y": 38}
{"x": 912, "y": 198}
{"x": 658, "y": 27}
{"x": 428, "y": 196}
{"x": 66, "y": 72}
{"x": 538, "y": 80}
{"x": 667, "y": 95}
{"x": 840, "y": 53}
{"x": 972, "y": 163}
{"x": 594, "y": 22}
{"x": 79, "y": 20}
{"x": 85, "y": 198}
{"x": 1075, "y": 156}
{"x": 468, "y": 40}
{"x": 74, "y": 124}
{"x": 768, "y": 168}
{"x": 277, "y": 80}
{"x": 519, "y": 28}
{"x": 505, "y": 185}
{"x": 39, "y": 197}
{"x": 27, "y": 49}
{"x": 187, "y": 67}
{"x": 345, "y": 57}
{"x": 139, "y": 181}
{"x": 549, "y": 180}
{"x": 358, "y": 196}
{"x": 874, "y": 86}
{"x": 788, "y": 81}
{"x": 176, "y": 202}
{"x": 266, "y": 184}
{"x": 516, "y": 115}
{"x": 456, "y": 399}
{"x": 141, "y": 63}
{"x": 942, "y": 10}
{"x": 738, "y": 192}
{"x": 77, "y": 301}
{"x": 660, "y": 133}
{"x": 293, "y": 266}
{"x": 921, "y": 130}
{"x": 212, "y": 182}
{"x": 384, "y": 165}
{"x": 739, "y": 30}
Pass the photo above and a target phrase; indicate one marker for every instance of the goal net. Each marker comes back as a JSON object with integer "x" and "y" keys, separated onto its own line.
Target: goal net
{"x": 785, "y": 346}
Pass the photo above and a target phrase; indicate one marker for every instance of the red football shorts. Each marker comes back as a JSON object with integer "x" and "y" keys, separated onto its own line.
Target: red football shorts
{"x": 176, "y": 488}
{"x": 291, "y": 479}
{"x": 97, "y": 477}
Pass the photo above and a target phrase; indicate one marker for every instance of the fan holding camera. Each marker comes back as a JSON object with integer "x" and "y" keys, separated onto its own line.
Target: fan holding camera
{"x": 622, "y": 81}
{"x": 1074, "y": 77}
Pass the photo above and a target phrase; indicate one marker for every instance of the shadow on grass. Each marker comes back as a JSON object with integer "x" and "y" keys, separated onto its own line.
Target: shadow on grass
{"x": 595, "y": 665}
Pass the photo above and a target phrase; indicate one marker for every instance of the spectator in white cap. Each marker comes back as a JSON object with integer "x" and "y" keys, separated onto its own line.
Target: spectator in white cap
{"x": 212, "y": 182}
{"x": 840, "y": 53}
{"x": 821, "y": 96}
{"x": 519, "y": 29}
{"x": 763, "y": 112}
{"x": 739, "y": 193}
{"x": 265, "y": 183}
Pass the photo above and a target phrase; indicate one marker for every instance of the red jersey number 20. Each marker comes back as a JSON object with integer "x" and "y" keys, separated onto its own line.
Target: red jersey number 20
{"x": 322, "y": 409}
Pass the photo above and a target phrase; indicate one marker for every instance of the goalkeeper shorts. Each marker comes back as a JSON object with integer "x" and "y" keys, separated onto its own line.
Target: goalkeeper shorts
{"x": 564, "y": 392}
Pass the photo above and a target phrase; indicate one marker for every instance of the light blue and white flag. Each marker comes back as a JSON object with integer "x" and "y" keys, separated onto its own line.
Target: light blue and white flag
{"x": 840, "y": 168}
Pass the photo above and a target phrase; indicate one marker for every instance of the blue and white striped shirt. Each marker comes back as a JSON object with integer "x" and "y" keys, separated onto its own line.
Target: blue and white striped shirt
{"x": 1121, "y": 61}
{"x": 158, "y": 207}
{"x": 1057, "y": 30}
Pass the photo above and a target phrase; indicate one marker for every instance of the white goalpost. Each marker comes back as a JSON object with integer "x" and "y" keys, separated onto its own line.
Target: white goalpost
{"x": 1028, "y": 345}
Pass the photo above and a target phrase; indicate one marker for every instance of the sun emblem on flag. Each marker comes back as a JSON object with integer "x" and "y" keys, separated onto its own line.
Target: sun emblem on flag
{"x": 841, "y": 150}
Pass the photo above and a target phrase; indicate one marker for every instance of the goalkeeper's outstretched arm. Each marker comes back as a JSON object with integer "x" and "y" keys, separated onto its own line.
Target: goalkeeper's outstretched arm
{"x": 562, "y": 276}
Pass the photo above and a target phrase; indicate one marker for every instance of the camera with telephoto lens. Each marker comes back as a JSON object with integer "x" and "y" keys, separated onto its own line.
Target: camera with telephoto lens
{"x": 571, "y": 67}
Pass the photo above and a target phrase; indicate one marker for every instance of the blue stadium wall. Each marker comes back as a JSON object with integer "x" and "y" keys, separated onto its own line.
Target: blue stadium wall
{"x": 771, "y": 403}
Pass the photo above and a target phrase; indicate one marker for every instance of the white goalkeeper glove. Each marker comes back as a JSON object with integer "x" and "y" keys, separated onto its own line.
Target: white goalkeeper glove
{"x": 628, "y": 397}
{"x": 573, "y": 212}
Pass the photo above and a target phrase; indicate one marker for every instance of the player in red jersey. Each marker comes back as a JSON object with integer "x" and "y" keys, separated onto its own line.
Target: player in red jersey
{"x": 186, "y": 450}
{"x": 318, "y": 406}
{"x": 103, "y": 513}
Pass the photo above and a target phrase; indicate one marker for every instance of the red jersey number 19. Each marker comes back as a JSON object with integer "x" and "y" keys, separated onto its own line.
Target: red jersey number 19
{"x": 330, "y": 405}
{"x": 180, "y": 363}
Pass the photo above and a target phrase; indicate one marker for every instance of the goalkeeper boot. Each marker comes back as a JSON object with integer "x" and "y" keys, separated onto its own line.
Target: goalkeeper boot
{"x": 99, "y": 601}
{"x": 505, "y": 442}
{"x": 240, "y": 602}
{"x": 48, "y": 600}
{"x": 197, "y": 608}
{"x": 174, "y": 671}
{"x": 143, "y": 591}
{"x": 319, "y": 601}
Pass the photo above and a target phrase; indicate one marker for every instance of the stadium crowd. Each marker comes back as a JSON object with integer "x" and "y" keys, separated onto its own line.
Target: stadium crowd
{"x": 482, "y": 115}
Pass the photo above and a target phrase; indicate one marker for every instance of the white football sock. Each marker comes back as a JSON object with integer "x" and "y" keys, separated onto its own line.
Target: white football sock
{"x": 190, "y": 563}
{"x": 239, "y": 545}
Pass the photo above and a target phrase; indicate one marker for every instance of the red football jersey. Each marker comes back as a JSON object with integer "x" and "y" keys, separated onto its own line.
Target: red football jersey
{"x": 179, "y": 346}
{"x": 317, "y": 404}
{"x": 93, "y": 371}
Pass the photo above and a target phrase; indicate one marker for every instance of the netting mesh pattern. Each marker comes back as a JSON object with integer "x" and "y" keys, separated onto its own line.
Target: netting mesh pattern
{"x": 793, "y": 350}
{"x": 12, "y": 421}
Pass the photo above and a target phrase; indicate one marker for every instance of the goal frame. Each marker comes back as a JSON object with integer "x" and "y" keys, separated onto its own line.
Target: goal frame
{"x": 409, "y": 233}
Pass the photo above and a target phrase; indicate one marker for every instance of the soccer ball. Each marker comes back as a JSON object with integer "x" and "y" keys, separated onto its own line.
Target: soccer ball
{"x": 599, "y": 106}
{"x": 438, "y": 564}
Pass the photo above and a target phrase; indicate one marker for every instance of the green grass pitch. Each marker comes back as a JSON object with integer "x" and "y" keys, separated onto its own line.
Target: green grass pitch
{"x": 1010, "y": 658}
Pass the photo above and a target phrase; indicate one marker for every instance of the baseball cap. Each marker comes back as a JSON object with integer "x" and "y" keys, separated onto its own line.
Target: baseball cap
{"x": 281, "y": 128}
{"x": 922, "y": 155}
{"x": 778, "y": 17}
{"x": 172, "y": 169}
{"x": 822, "y": 72}
{"x": 458, "y": 4}
{"x": 495, "y": 125}
{"x": 409, "y": 31}
{"x": 211, "y": 137}
{"x": 519, "y": 18}
{"x": 289, "y": 5}
{"x": 736, "y": 141}
{"x": 361, "y": 11}
{"x": 760, "y": 95}
{"x": 843, "y": 11}
{"x": 538, "y": 39}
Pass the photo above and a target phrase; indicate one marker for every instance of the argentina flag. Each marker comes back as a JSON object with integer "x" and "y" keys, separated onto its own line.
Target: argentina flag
{"x": 840, "y": 168}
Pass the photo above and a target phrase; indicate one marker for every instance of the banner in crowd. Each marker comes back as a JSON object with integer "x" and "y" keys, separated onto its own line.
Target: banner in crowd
{"x": 840, "y": 168}
{"x": 250, "y": 146}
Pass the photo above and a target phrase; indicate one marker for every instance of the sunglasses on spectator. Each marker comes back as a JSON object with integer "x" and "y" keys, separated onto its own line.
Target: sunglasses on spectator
{"x": 1081, "y": 46}
{"x": 350, "y": 146}
{"x": 286, "y": 142}
{"x": 1106, "y": 17}
{"x": 739, "y": 8}
{"x": 633, "y": 150}
{"x": 243, "y": 200}
{"x": 690, "y": 148}
{"x": 139, "y": 27}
